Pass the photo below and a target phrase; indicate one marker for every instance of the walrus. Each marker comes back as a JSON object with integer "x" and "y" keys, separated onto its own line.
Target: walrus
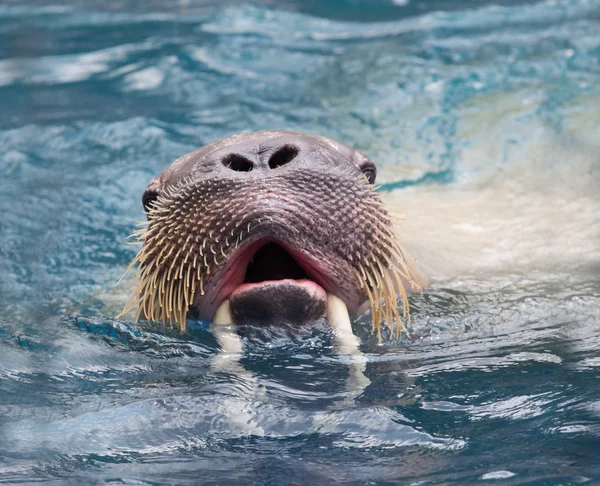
{"x": 283, "y": 227}
{"x": 271, "y": 227}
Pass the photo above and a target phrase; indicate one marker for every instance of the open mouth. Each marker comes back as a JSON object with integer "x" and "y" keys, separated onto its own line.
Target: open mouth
{"x": 272, "y": 262}
{"x": 270, "y": 285}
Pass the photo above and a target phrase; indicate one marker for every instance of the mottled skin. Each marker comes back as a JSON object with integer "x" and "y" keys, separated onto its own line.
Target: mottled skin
{"x": 310, "y": 195}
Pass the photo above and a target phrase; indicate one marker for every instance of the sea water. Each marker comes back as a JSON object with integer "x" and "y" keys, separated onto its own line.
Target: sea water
{"x": 484, "y": 120}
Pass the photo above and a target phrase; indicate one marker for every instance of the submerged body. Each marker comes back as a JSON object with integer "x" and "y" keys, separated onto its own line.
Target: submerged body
{"x": 541, "y": 216}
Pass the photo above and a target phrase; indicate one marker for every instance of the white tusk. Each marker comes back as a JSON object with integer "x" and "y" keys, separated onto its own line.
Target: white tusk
{"x": 339, "y": 320}
{"x": 227, "y": 338}
{"x": 223, "y": 315}
{"x": 346, "y": 343}
{"x": 238, "y": 408}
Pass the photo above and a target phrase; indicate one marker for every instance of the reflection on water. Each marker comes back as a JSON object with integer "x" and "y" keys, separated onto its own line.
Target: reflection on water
{"x": 498, "y": 380}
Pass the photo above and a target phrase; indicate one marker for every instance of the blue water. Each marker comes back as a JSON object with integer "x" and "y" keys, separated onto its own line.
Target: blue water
{"x": 499, "y": 382}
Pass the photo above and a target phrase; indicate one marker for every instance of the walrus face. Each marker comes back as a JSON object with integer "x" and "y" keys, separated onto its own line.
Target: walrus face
{"x": 264, "y": 227}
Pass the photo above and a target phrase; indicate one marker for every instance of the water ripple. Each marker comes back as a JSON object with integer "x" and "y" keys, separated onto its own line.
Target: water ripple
{"x": 497, "y": 380}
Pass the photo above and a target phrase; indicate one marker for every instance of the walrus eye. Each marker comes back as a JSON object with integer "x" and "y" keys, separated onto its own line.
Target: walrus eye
{"x": 148, "y": 199}
{"x": 369, "y": 170}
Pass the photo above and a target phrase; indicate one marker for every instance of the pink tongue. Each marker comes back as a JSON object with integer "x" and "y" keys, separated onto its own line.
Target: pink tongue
{"x": 288, "y": 302}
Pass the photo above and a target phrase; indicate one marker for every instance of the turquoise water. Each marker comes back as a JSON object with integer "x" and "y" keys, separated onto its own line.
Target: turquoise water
{"x": 499, "y": 382}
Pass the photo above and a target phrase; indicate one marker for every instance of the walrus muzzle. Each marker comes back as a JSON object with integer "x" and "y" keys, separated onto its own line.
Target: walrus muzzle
{"x": 269, "y": 227}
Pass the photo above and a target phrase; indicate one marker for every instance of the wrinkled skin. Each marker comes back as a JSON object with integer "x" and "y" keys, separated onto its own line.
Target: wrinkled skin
{"x": 274, "y": 221}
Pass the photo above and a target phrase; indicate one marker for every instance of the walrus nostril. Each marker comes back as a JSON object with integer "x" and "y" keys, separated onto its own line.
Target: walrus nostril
{"x": 237, "y": 162}
{"x": 285, "y": 154}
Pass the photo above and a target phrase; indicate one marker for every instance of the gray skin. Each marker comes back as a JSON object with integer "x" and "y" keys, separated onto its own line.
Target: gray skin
{"x": 302, "y": 205}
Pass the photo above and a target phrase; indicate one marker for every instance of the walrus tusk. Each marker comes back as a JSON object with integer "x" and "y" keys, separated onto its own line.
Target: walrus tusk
{"x": 228, "y": 340}
{"x": 223, "y": 314}
{"x": 339, "y": 320}
{"x": 346, "y": 343}
{"x": 239, "y": 414}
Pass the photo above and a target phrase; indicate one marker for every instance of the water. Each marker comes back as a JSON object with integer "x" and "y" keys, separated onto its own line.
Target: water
{"x": 499, "y": 380}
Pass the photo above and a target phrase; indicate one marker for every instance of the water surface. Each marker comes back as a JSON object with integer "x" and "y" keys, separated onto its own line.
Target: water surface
{"x": 499, "y": 381}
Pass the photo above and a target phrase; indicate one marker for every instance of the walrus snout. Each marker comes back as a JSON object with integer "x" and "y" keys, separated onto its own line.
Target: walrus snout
{"x": 236, "y": 218}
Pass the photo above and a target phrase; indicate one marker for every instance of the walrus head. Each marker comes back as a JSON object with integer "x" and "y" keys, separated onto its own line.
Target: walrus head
{"x": 264, "y": 227}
